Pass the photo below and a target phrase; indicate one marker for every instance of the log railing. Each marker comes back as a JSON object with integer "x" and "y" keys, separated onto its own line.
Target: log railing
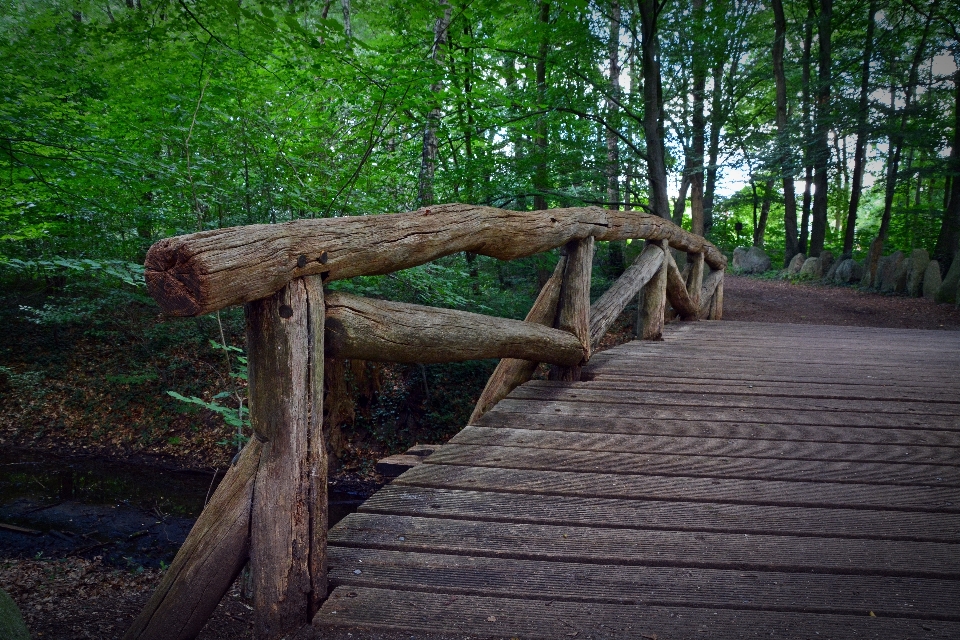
{"x": 270, "y": 509}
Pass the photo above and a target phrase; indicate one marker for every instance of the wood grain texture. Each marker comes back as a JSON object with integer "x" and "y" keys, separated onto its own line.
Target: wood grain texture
{"x": 384, "y": 331}
{"x": 716, "y": 305}
{"x": 202, "y": 272}
{"x": 573, "y": 309}
{"x": 512, "y": 372}
{"x": 285, "y": 345}
{"x": 677, "y": 292}
{"x": 710, "y": 283}
{"x": 694, "y": 276}
{"x": 654, "y": 304}
{"x": 611, "y": 304}
{"x": 208, "y": 561}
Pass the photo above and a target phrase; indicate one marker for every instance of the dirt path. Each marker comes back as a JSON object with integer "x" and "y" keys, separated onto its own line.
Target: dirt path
{"x": 756, "y": 300}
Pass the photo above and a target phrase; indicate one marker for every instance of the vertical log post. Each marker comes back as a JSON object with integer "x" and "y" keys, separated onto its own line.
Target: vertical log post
{"x": 573, "y": 310}
{"x": 289, "y": 512}
{"x": 716, "y": 303}
{"x": 695, "y": 277}
{"x": 655, "y": 301}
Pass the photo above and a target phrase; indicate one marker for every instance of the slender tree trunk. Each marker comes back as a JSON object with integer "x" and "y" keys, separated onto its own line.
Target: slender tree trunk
{"x": 716, "y": 124}
{"x": 699, "y": 127}
{"x": 540, "y": 176}
{"x": 860, "y": 147}
{"x": 680, "y": 205}
{"x": 949, "y": 237}
{"x": 792, "y": 242}
{"x": 821, "y": 159}
{"x": 761, "y": 228}
{"x": 617, "y": 265}
{"x": 428, "y": 158}
{"x": 652, "y": 116}
{"x": 897, "y": 135}
{"x": 806, "y": 63}
{"x": 347, "y": 28}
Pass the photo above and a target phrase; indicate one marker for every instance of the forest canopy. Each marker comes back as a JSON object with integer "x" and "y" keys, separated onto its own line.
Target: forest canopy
{"x": 796, "y": 126}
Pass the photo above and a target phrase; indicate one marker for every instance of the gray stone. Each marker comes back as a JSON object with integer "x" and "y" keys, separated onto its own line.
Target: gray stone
{"x": 848, "y": 271}
{"x": 951, "y": 282}
{"x": 752, "y": 260}
{"x": 12, "y": 626}
{"x": 887, "y": 270}
{"x": 900, "y": 276}
{"x": 919, "y": 259}
{"x": 826, "y": 261}
{"x": 831, "y": 274}
{"x": 931, "y": 280}
{"x": 796, "y": 264}
{"x": 811, "y": 268}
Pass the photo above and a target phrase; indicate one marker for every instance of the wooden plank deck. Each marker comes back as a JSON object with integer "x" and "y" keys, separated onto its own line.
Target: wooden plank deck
{"x": 734, "y": 480}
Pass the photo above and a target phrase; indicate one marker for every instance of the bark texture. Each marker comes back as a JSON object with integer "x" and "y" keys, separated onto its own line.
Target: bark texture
{"x": 654, "y": 304}
{"x": 288, "y": 523}
{"x": 573, "y": 310}
{"x": 379, "y": 330}
{"x": 677, "y": 291}
{"x": 206, "y": 271}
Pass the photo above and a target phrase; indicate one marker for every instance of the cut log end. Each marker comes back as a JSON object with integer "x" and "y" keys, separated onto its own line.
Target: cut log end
{"x": 172, "y": 279}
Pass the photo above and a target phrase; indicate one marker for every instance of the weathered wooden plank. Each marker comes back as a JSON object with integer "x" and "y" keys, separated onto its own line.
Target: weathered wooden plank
{"x": 700, "y": 427}
{"x": 691, "y": 465}
{"x": 702, "y": 446}
{"x": 621, "y": 513}
{"x": 684, "y": 397}
{"x": 548, "y": 619}
{"x": 512, "y": 372}
{"x": 634, "y": 547}
{"x": 610, "y": 584}
{"x": 208, "y": 562}
{"x": 708, "y": 386}
{"x": 379, "y": 330}
{"x": 645, "y": 369}
{"x": 285, "y": 346}
{"x": 611, "y": 304}
{"x": 694, "y": 277}
{"x": 731, "y": 414}
{"x": 210, "y": 270}
{"x": 710, "y": 283}
{"x": 794, "y": 493}
{"x": 573, "y": 309}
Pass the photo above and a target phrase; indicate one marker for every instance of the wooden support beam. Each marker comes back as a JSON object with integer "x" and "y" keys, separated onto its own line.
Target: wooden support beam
{"x": 654, "y": 303}
{"x": 208, "y": 562}
{"x": 386, "y": 331}
{"x": 710, "y": 284}
{"x": 694, "y": 279}
{"x": 716, "y": 304}
{"x": 288, "y": 526}
{"x": 202, "y": 272}
{"x": 611, "y": 304}
{"x": 512, "y": 372}
{"x": 573, "y": 310}
{"x": 677, "y": 292}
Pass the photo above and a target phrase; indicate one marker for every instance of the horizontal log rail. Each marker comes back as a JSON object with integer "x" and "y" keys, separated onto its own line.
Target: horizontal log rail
{"x": 270, "y": 509}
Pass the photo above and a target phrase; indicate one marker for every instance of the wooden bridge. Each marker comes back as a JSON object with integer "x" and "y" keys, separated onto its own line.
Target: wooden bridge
{"x": 731, "y": 480}
{"x": 735, "y": 480}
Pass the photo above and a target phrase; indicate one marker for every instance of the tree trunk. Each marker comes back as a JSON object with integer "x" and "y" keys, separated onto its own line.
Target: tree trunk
{"x": 821, "y": 158}
{"x": 761, "y": 227}
{"x": 791, "y": 241}
{"x": 613, "y": 118}
{"x": 652, "y": 116}
{"x": 716, "y": 124}
{"x": 428, "y": 157}
{"x": 699, "y": 127}
{"x": 949, "y": 236}
{"x": 540, "y": 176}
{"x": 806, "y": 62}
{"x": 573, "y": 310}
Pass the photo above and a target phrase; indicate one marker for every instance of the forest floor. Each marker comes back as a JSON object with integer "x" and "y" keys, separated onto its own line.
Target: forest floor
{"x": 75, "y": 597}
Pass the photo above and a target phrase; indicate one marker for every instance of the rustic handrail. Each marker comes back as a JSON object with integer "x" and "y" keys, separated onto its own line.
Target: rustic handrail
{"x": 202, "y": 272}
{"x": 270, "y": 508}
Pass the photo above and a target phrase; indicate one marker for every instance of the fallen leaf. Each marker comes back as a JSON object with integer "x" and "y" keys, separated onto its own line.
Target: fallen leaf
{"x": 873, "y": 615}
{"x": 491, "y": 619}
